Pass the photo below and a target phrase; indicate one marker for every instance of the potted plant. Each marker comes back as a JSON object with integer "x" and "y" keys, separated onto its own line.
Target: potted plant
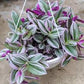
{"x": 49, "y": 35}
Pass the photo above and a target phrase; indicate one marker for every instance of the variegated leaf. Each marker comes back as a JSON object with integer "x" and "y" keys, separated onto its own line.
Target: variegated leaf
{"x": 59, "y": 53}
{"x": 55, "y": 33}
{"x": 74, "y": 31}
{"x": 19, "y": 76}
{"x": 36, "y": 68}
{"x": 42, "y": 27}
{"x": 13, "y": 74}
{"x": 38, "y": 38}
{"x": 71, "y": 50}
{"x": 43, "y": 5}
{"x": 15, "y": 18}
{"x": 35, "y": 57}
{"x": 53, "y": 43}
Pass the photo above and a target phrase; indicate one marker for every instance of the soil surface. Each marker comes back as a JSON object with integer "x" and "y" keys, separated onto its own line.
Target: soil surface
{"x": 73, "y": 73}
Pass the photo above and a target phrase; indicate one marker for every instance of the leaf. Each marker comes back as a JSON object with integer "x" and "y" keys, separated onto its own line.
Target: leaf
{"x": 43, "y": 5}
{"x": 81, "y": 43}
{"x": 65, "y": 62}
{"x": 15, "y": 18}
{"x": 12, "y": 65}
{"x": 41, "y": 46}
{"x": 81, "y": 25}
{"x": 36, "y": 68}
{"x": 11, "y": 46}
{"x": 36, "y": 57}
{"x": 3, "y": 54}
{"x": 14, "y": 37}
{"x": 66, "y": 36}
{"x": 58, "y": 14}
{"x": 21, "y": 49}
{"x": 54, "y": 4}
{"x": 74, "y": 31}
{"x": 31, "y": 50}
{"x": 63, "y": 18}
{"x": 61, "y": 2}
{"x": 55, "y": 33}
{"x": 32, "y": 28}
{"x": 44, "y": 62}
{"x": 19, "y": 77}
{"x": 42, "y": 27}
{"x": 18, "y": 59}
{"x": 11, "y": 25}
{"x": 31, "y": 16}
{"x": 67, "y": 39}
{"x": 71, "y": 50}
{"x": 53, "y": 43}
{"x": 27, "y": 36}
{"x": 13, "y": 73}
{"x": 71, "y": 43}
{"x": 38, "y": 38}
{"x": 30, "y": 47}
{"x": 48, "y": 25}
{"x": 59, "y": 53}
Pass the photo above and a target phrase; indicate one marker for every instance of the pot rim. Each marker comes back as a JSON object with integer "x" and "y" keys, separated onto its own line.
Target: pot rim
{"x": 54, "y": 59}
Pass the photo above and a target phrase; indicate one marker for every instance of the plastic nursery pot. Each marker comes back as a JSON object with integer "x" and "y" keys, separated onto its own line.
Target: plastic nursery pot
{"x": 54, "y": 62}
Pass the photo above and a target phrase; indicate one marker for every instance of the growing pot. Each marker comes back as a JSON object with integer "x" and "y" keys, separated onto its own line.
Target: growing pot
{"x": 54, "y": 62}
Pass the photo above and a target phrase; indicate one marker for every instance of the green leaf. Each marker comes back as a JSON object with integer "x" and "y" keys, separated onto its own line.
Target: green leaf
{"x": 58, "y": 14}
{"x": 62, "y": 18}
{"x": 61, "y": 2}
{"x": 21, "y": 49}
{"x": 55, "y": 33}
{"x": 31, "y": 50}
{"x": 3, "y": 52}
{"x": 18, "y": 59}
{"x": 19, "y": 79}
{"x": 1, "y": 59}
{"x": 30, "y": 47}
{"x": 36, "y": 68}
{"x": 14, "y": 37}
{"x": 36, "y": 57}
{"x": 59, "y": 52}
{"x": 27, "y": 36}
{"x": 67, "y": 39}
{"x": 81, "y": 25}
{"x": 38, "y": 38}
{"x": 15, "y": 18}
{"x": 65, "y": 62}
{"x": 13, "y": 73}
{"x": 31, "y": 17}
{"x": 44, "y": 62}
{"x": 42, "y": 27}
{"x": 66, "y": 36}
{"x": 53, "y": 43}
{"x": 41, "y": 46}
{"x": 43, "y": 5}
{"x": 11, "y": 25}
{"x": 71, "y": 43}
{"x": 74, "y": 31}
{"x": 71, "y": 50}
{"x": 48, "y": 24}
{"x": 32, "y": 28}
{"x": 12, "y": 46}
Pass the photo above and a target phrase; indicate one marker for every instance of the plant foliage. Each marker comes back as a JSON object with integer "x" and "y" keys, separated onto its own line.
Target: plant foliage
{"x": 36, "y": 38}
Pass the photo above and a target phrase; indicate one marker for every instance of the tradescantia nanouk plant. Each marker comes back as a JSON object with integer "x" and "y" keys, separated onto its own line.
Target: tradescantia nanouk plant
{"x": 38, "y": 38}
